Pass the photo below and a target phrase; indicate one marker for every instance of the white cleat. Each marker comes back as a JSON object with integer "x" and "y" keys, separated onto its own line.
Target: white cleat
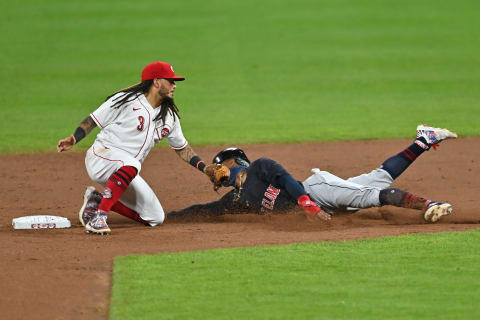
{"x": 86, "y": 197}
{"x": 436, "y": 210}
{"x": 434, "y": 135}
{"x": 98, "y": 224}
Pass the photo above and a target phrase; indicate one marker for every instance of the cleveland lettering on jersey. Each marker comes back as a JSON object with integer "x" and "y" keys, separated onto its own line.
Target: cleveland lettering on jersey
{"x": 270, "y": 196}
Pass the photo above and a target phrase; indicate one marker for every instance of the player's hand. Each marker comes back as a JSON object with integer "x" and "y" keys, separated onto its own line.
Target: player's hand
{"x": 322, "y": 215}
{"x": 311, "y": 209}
{"x": 66, "y": 144}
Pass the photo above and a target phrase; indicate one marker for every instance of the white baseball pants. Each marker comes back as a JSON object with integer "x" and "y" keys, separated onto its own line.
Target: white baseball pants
{"x": 102, "y": 162}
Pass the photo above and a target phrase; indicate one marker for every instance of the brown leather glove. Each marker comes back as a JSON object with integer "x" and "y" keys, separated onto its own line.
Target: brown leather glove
{"x": 218, "y": 174}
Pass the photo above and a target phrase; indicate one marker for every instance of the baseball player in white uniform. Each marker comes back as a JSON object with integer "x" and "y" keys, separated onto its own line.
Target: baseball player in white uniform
{"x": 132, "y": 121}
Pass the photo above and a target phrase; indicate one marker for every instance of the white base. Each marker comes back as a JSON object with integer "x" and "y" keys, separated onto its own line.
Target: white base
{"x": 41, "y": 222}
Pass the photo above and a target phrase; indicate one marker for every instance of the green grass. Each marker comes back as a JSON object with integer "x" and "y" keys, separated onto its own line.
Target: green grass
{"x": 433, "y": 276}
{"x": 268, "y": 71}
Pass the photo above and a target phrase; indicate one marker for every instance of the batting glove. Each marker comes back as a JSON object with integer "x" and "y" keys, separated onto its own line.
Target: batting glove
{"x": 311, "y": 209}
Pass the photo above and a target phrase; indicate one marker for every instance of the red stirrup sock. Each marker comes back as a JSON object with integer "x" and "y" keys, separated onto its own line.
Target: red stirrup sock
{"x": 127, "y": 212}
{"x": 116, "y": 186}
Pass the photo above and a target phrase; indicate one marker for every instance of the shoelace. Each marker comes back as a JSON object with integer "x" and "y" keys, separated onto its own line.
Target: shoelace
{"x": 94, "y": 201}
{"x": 421, "y": 132}
{"x": 100, "y": 221}
{"x": 92, "y": 205}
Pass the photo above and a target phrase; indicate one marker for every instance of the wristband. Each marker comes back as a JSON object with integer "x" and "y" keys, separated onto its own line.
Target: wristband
{"x": 197, "y": 163}
{"x": 201, "y": 165}
{"x": 79, "y": 134}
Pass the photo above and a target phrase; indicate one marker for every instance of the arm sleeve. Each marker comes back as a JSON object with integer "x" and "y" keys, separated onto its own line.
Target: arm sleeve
{"x": 268, "y": 170}
{"x": 216, "y": 208}
{"x": 293, "y": 187}
{"x": 105, "y": 114}
{"x": 272, "y": 172}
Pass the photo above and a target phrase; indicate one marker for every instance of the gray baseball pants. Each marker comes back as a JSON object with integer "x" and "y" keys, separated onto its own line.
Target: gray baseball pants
{"x": 334, "y": 194}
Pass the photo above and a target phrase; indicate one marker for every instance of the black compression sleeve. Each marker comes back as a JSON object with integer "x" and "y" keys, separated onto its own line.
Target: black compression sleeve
{"x": 197, "y": 163}
{"x": 79, "y": 134}
{"x": 216, "y": 208}
{"x": 293, "y": 187}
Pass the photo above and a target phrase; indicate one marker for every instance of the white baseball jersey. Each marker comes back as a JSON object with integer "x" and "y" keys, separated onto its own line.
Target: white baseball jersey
{"x": 131, "y": 127}
{"x": 127, "y": 136}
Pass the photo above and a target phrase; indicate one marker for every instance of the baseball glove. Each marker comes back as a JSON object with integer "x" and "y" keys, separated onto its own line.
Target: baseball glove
{"x": 218, "y": 174}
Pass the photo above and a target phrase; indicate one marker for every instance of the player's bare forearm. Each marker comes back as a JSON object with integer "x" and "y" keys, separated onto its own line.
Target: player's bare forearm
{"x": 87, "y": 124}
{"x": 186, "y": 153}
{"x": 82, "y": 130}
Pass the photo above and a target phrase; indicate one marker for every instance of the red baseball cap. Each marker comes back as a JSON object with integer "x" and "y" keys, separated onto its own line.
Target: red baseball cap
{"x": 159, "y": 70}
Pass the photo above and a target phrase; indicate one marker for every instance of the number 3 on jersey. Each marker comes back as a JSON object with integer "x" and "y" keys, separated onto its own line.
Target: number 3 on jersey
{"x": 142, "y": 121}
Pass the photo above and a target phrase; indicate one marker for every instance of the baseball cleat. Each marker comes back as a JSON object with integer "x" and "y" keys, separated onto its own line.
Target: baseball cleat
{"x": 91, "y": 201}
{"x": 435, "y": 210}
{"x": 98, "y": 224}
{"x": 433, "y": 135}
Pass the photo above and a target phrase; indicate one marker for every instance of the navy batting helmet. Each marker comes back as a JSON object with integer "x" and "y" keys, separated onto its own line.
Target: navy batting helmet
{"x": 236, "y": 153}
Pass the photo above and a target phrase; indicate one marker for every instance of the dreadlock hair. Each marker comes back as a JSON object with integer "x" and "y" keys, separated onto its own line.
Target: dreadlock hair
{"x": 132, "y": 92}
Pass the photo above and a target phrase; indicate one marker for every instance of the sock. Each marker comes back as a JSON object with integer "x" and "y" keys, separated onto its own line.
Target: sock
{"x": 397, "y": 164}
{"x": 400, "y": 198}
{"x": 127, "y": 212}
{"x": 116, "y": 186}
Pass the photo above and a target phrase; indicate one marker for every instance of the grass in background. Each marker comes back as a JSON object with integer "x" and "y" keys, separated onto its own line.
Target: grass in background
{"x": 269, "y": 71}
{"x": 432, "y": 276}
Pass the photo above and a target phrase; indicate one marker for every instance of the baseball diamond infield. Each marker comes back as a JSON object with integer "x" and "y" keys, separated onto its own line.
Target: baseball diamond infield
{"x": 66, "y": 274}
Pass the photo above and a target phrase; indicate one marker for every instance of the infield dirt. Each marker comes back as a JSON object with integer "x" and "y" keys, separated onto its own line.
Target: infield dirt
{"x": 66, "y": 274}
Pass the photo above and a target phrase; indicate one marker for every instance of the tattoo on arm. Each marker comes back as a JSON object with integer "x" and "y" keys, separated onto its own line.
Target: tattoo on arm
{"x": 87, "y": 124}
{"x": 186, "y": 153}
{"x": 83, "y": 129}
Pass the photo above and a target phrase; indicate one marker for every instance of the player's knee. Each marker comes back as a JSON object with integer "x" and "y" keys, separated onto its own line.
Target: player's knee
{"x": 156, "y": 222}
{"x": 156, "y": 218}
{"x": 149, "y": 206}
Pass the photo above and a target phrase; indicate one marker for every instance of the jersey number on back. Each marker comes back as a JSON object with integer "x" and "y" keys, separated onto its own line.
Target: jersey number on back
{"x": 142, "y": 121}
